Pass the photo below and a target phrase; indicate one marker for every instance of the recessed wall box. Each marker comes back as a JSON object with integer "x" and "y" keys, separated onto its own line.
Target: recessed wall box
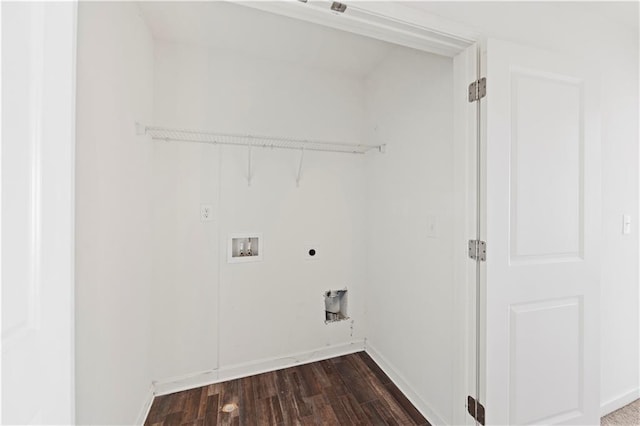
{"x": 247, "y": 247}
{"x": 335, "y": 305}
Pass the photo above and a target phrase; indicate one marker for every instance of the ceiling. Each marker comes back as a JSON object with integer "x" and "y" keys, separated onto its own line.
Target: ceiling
{"x": 625, "y": 13}
{"x": 253, "y": 32}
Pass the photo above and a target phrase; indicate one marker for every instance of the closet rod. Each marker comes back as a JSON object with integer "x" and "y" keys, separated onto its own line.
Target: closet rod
{"x": 184, "y": 135}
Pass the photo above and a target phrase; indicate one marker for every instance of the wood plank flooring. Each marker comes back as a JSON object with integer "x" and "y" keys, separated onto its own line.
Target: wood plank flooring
{"x": 348, "y": 390}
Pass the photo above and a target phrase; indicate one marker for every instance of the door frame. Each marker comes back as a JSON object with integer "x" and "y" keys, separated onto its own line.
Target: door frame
{"x": 49, "y": 144}
{"x": 414, "y": 28}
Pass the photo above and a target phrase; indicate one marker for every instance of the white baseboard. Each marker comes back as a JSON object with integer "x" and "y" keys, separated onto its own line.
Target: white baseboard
{"x": 619, "y": 401}
{"x": 188, "y": 381}
{"x": 194, "y": 380}
{"x": 144, "y": 412}
{"x": 404, "y": 387}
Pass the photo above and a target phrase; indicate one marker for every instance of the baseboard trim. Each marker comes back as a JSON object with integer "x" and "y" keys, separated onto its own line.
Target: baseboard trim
{"x": 146, "y": 407}
{"x": 190, "y": 381}
{"x": 404, "y": 386}
{"x": 619, "y": 401}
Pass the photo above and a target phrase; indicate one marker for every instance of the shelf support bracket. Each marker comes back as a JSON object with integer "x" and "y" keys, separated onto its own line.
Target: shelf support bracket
{"x": 249, "y": 174}
{"x": 141, "y": 129}
{"x": 300, "y": 167}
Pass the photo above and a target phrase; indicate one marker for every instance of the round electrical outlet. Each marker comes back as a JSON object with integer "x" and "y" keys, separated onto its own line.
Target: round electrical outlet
{"x": 312, "y": 251}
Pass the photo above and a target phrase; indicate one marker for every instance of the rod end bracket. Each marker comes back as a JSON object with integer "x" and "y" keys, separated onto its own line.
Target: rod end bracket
{"x": 141, "y": 129}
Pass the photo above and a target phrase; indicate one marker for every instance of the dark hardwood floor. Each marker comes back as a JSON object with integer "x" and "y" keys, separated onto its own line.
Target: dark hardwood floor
{"x": 348, "y": 390}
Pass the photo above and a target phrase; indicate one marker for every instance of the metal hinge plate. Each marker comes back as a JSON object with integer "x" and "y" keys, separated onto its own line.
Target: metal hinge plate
{"x": 475, "y": 409}
{"x": 478, "y": 250}
{"x": 478, "y": 90}
{"x": 338, "y": 7}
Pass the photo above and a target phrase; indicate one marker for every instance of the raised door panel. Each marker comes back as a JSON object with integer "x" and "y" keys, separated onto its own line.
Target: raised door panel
{"x": 546, "y": 167}
{"x": 545, "y": 361}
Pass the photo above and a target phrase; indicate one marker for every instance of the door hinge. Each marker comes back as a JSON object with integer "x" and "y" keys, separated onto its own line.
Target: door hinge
{"x": 478, "y": 90}
{"x": 475, "y": 409}
{"x": 478, "y": 250}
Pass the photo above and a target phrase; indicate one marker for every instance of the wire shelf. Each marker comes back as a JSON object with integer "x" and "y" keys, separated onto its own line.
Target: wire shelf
{"x": 184, "y": 135}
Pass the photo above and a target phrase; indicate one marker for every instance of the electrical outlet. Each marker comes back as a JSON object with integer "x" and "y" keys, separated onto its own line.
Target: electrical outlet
{"x": 311, "y": 251}
{"x": 626, "y": 224}
{"x": 206, "y": 212}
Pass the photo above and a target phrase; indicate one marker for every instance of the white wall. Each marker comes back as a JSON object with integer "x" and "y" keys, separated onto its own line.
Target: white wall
{"x": 586, "y": 31}
{"x": 113, "y": 214}
{"x": 410, "y": 292}
{"x": 208, "y": 313}
{"x": 185, "y": 257}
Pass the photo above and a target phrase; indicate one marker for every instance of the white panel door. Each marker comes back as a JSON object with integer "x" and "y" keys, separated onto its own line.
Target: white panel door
{"x": 38, "y": 98}
{"x": 542, "y": 232}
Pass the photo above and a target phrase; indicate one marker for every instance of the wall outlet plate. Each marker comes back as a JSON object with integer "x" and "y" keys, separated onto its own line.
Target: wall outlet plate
{"x": 206, "y": 212}
{"x": 626, "y": 224}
